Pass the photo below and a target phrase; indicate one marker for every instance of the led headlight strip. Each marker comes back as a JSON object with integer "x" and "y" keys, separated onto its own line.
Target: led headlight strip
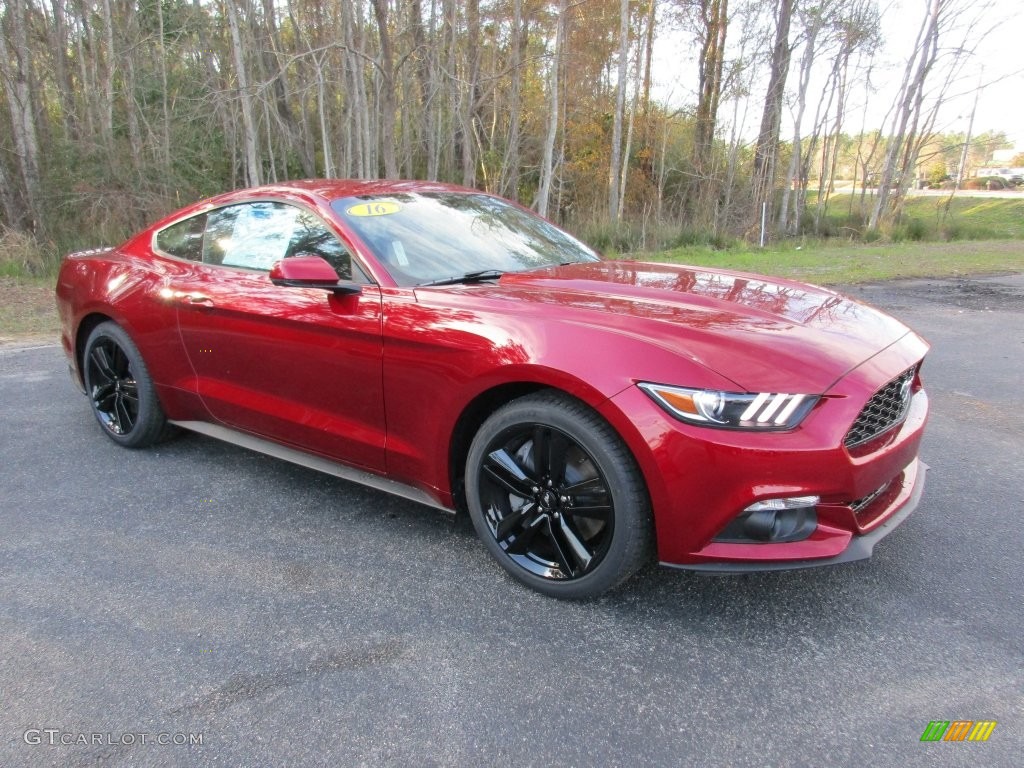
{"x": 732, "y": 410}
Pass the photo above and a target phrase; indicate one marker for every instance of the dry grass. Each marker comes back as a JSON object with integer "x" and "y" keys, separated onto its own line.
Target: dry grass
{"x": 28, "y": 311}
{"x": 21, "y": 254}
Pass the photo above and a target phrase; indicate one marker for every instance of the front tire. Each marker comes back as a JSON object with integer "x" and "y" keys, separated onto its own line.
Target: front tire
{"x": 120, "y": 390}
{"x": 557, "y": 498}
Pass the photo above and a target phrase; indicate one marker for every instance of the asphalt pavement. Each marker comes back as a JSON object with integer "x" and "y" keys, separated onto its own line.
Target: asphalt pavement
{"x": 197, "y": 604}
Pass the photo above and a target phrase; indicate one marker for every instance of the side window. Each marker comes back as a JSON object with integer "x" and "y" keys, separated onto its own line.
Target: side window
{"x": 311, "y": 236}
{"x": 251, "y": 235}
{"x": 183, "y": 240}
{"x": 255, "y": 235}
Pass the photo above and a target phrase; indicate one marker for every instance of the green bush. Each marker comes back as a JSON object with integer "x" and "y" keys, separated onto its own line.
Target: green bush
{"x": 694, "y": 237}
{"x": 985, "y": 182}
{"x": 913, "y": 229}
{"x": 634, "y": 238}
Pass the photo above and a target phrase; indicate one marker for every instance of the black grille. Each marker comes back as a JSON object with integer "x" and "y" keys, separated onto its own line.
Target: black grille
{"x": 886, "y": 408}
{"x": 862, "y": 502}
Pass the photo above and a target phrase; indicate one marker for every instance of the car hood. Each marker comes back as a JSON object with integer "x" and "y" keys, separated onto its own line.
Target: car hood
{"x": 764, "y": 334}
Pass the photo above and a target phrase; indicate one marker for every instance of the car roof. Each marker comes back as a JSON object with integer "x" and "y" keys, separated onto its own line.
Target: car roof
{"x": 332, "y": 189}
{"x": 312, "y": 191}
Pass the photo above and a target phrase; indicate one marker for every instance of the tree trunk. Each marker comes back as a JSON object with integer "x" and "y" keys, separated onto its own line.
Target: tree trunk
{"x": 629, "y": 139}
{"x": 9, "y": 209}
{"x": 17, "y": 86}
{"x": 132, "y": 112}
{"x": 165, "y": 134}
{"x": 830, "y": 158}
{"x": 714, "y": 23}
{"x": 615, "y": 169}
{"x": 470, "y": 103}
{"x": 786, "y": 224}
{"x": 510, "y": 165}
{"x": 547, "y": 160}
{"x": 387, "y": 90}
{"x": 252, "y": 158}
{"x": 59, "y": 43}
{"x": 909, "y": 101}
{"x": 648, "y": 57}
{"x": 767, "y": 148}
{"x": 107, "y": 106}
{"x": 434, "y": 104}
{"x": 279, "y": 84}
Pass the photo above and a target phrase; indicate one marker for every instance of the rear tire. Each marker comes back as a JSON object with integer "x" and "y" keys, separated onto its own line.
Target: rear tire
{"x": 557, "y": 498}
{"x": 120, "y": 389}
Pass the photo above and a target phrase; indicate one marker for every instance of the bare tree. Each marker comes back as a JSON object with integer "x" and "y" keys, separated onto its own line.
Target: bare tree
{"x": 615, "y": 169}
{"x": 17, "y": 85}
{"x": 713, "y": 16}
{"x": 472, "y": 93}
{"x": 547, "y": 160}
{"x": 767, "y": 148}
{"x": 387, "y": 90}
{"x": 252, "y": 158}
{"x": 510, "y": 164}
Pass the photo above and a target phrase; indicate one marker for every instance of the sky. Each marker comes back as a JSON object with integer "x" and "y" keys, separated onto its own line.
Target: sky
{"x": 999, "y": 66}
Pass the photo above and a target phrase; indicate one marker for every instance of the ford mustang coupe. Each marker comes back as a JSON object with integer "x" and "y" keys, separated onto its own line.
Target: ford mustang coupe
{"x": 456, "y": 349}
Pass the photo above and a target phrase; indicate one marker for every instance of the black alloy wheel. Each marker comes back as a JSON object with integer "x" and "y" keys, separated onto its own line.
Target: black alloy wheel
{"x": 120, "y": 390}
{"x": 556, "y": 497}
{"x": 114, "y": 390}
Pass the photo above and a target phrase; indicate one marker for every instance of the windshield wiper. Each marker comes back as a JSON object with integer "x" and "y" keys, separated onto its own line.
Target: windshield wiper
{"x": 469, "y": 277}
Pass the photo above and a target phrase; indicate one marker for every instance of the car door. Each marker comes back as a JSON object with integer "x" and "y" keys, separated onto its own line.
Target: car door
{"x": 301, "y": 366}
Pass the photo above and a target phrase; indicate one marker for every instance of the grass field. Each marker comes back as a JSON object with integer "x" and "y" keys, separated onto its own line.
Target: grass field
{"x": 934, "y": 217}
{"x": 834, "y": 264}
{"x": 996, "y": 217}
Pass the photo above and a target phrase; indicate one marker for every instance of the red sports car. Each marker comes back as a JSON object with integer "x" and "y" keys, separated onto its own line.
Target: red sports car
{"x": 456, "y": 349}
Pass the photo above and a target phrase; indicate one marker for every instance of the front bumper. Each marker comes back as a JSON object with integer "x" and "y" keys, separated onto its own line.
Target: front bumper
{"x": 700, "y": 479}
{"x": 860, "y": 547}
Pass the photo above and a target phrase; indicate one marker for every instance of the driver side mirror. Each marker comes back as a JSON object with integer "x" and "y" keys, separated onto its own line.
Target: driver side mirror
{"x": 309, "y": 271}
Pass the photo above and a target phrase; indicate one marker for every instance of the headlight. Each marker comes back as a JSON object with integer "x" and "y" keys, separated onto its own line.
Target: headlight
{"x": 732, "y": 410}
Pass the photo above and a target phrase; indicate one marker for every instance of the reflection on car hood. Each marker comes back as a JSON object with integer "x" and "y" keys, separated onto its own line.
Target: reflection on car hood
{"x": 762, "y": 333}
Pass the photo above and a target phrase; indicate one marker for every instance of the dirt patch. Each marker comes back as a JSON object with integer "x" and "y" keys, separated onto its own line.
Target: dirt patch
{"x": 28, "y": 312}
{"x": 1003, "y": 293}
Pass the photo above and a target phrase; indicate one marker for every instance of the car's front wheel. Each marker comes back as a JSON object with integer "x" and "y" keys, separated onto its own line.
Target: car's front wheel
{"x": 120, "y": 389}
{"x": 557, "y": 498}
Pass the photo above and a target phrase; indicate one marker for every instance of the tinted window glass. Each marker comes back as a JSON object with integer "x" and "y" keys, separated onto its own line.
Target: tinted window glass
{"x": 255, "y": 235}
{"x": 311, "y": 236}
{"x": 184, "y": 239}
{"x": 431, "y": 236}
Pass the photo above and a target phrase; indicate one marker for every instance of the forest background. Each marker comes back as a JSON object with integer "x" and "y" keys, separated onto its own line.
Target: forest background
{"x": 113, "y": 113}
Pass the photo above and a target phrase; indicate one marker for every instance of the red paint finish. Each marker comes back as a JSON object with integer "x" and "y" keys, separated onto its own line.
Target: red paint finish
{"x": 379, "y": 378}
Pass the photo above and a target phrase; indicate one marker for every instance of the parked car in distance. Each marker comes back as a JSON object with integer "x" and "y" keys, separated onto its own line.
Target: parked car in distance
{"x": 443, "y": 344}
{"x": 1014, "y": 176}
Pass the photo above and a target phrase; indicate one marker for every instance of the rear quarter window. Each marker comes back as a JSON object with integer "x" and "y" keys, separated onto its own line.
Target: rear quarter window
{"x": 183, "y": 240}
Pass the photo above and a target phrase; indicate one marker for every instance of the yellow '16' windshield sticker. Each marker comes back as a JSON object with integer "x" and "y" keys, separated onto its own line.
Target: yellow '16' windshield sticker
{"x": 380, "y": 208}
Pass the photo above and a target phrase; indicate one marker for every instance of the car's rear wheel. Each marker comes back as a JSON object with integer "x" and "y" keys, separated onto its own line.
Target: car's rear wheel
{"x": 120, "y": 390}
{"x": 557, "y": 498}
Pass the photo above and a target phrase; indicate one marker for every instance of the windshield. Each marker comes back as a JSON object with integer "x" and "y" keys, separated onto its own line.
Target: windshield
{"x": 433, "y": 236}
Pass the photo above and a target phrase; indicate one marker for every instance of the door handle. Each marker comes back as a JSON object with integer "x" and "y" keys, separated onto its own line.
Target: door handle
{"x": 187, "y": 297}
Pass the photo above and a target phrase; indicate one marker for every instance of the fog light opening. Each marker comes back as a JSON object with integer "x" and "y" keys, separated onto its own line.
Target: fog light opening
{"x": 774, "y": 521}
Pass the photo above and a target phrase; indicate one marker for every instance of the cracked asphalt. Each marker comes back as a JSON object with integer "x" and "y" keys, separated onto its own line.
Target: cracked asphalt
{"x": 199, "y": 591}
